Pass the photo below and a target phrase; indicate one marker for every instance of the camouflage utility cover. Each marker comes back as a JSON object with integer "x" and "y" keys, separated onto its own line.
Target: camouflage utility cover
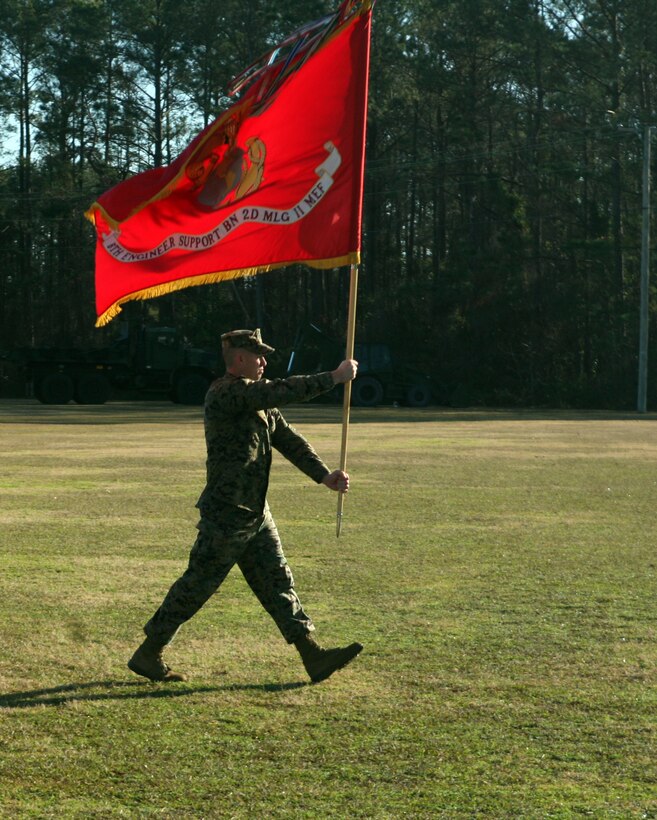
{"x": 246, "y": 339}
{"x": 242, "y": 425}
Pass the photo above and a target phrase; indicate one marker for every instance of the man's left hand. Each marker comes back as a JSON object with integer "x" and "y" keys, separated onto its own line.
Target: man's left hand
{"x": 337, "y": 480}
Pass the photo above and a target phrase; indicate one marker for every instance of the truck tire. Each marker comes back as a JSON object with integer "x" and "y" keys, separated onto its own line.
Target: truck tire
{"x": 92, "y": 388}
{"x": 190, "y": 388}
{"x": 54, "y": 388}
{"x": 367, "y": 391}
{"x": 418, "y": 395}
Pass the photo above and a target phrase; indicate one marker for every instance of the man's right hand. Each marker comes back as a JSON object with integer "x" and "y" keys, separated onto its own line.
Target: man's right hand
{"x": 345, "y": 371}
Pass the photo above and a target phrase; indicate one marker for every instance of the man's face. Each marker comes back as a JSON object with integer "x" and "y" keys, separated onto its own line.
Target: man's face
{"x": 253, "y": 365}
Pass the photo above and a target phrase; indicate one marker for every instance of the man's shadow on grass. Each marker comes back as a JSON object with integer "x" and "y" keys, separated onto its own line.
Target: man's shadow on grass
{"x": 125, "y": 690}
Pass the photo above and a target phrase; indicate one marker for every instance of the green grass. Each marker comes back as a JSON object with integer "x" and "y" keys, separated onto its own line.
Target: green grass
{"x": 500, "y": 569}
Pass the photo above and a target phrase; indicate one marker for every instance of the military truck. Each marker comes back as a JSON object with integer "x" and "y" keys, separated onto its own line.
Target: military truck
{"x": 151, "y": 362}
{"x": 381, "y": 379}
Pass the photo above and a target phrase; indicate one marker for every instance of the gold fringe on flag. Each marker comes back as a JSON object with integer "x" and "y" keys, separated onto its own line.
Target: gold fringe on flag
{"x": 220, "y": 276}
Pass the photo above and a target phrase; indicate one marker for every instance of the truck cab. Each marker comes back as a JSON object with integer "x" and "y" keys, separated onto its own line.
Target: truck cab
{"x": 151, "y": 362}
{"x": 381, "y": 378}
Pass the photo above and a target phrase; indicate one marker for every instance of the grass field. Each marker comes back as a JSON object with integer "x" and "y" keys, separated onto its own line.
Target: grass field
{"x": 500, "y": 569}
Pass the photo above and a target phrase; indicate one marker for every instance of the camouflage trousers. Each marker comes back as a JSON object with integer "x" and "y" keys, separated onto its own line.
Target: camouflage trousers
{"x": 258, "y": 553}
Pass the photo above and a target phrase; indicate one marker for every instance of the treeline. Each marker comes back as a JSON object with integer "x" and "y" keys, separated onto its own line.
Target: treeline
{"x": 502, "y": 216}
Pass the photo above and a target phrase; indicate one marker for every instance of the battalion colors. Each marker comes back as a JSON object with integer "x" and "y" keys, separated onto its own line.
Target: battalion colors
{"x": 277, "y": 179}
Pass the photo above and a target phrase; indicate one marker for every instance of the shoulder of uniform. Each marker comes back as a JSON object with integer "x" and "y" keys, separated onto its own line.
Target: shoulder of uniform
{"x": 227, "y": 379}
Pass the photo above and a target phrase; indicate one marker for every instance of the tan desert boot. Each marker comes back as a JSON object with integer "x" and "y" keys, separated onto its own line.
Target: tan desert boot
{"x": 321, "y": 663}
{"x": 147, "y": 662}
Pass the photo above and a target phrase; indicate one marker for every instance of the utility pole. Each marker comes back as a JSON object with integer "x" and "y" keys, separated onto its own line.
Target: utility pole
{"x": 645, "y": 274}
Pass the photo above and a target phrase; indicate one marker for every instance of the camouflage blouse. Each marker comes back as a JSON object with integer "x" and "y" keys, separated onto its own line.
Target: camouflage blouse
{"x": 242, "y": 425}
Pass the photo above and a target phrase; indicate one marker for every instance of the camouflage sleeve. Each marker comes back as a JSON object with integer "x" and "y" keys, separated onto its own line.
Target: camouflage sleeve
{"x": 296, "y": 449}
{"x": 240, "y": 394}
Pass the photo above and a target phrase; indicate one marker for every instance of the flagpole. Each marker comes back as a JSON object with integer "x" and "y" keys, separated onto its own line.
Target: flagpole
{"x": 346, "y": 404}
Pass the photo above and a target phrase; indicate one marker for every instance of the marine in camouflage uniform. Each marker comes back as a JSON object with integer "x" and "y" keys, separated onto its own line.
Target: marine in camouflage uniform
{"x": 242, "y": 427}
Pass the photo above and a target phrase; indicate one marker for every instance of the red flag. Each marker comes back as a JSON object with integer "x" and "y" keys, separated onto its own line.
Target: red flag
{"x": 277, "y": 179}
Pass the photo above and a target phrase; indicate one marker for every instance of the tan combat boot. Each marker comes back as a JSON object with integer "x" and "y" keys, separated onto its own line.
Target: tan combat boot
{"x": 147, "y": 661}
{"x": 321, "y": 663}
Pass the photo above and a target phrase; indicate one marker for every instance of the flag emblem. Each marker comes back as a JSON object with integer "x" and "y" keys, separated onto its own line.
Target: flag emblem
{"x": 237, "y": 171}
